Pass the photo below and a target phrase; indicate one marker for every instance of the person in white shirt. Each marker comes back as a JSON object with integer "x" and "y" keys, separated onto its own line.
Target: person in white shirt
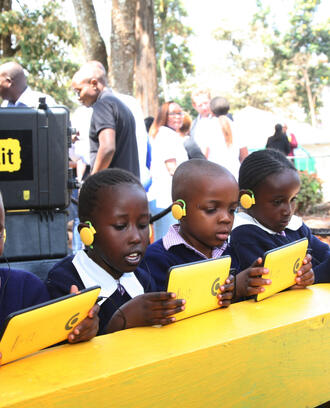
{"x": 201, "y": 103}
{"x": 167, "y": 152}
{"x": 220, "y": 140}
{"x": 14, "y": 89}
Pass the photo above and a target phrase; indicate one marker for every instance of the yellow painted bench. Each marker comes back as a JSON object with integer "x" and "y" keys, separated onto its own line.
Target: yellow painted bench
{"x": 275, "y": 353}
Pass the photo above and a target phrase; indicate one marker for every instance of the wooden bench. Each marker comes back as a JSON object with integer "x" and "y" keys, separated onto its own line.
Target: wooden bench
{"x": 274, "y": 353}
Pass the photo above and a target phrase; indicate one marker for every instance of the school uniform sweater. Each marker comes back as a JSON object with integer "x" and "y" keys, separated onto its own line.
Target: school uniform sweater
{"x": 250, "y": 240}
{"x": 64, "y": 274}
{"x": 19, "y": 290}
{"x": 158, "y": 260}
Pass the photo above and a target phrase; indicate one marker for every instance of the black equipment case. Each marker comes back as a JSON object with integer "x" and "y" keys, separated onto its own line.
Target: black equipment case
{"x": 34, "y": 163}
{"x": 35, "y": 235}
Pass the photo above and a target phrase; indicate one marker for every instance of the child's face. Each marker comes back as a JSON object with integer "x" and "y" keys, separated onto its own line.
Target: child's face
{"x": 210, "y": 213}
{"x": 2, "y": 225}
{"x": 276, "y": 200}
{"x": 121, "y": 221}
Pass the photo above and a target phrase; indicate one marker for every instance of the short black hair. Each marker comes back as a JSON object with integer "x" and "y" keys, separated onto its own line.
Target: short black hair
{"x": 188, "y": 172}
{"x": 104, "y": 178}
{"x": 259, "y": 165}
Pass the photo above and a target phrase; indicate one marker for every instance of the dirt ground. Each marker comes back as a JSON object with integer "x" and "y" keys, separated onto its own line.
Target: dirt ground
{"x": 319, "y": 222}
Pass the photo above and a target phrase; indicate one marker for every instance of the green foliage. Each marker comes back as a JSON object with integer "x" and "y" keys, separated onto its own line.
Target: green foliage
{"x": 310, "y": 193}
{"x": 300, "y": 55}
{"x": 171, "y": 40}
{"x": 249, "y": 67}
{"x": 41, "y": 40}
{"x": 278, "y": 68}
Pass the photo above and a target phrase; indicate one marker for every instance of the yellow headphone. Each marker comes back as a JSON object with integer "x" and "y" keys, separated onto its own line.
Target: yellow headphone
{"x": 247, "y": 199}
{"x": 4, "y": 235}
{"x": 179, "y": 209}
{"x": 87, "y": 234}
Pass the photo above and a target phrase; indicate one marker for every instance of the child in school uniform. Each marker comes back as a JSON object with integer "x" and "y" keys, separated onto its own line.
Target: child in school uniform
{"x": 269, "y": 185}
{"x": 208, "y": 195}
{"x": 114, "y": 226}
{"x": 20, "y": 289}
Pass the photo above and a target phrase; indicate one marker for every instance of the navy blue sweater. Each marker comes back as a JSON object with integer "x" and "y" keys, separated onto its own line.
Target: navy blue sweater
{"x": 250, "y": 242}
{"x": 19, "y": 290}
{"x": 64, "y": 274}
{"x": 158, "y": 260}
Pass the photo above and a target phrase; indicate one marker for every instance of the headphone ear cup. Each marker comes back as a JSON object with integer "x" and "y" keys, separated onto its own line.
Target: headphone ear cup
{"x": 247, "y": 201}
{"x": 4, "y": 235}
{"x": 87, "y": 235}
{"x": 178, "y": 212}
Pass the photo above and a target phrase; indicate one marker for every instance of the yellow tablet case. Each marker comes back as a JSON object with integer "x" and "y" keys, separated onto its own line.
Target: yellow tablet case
{"x": 198, "y": 283}
{"x": 283, "y": 264}
{"x": 32, "y": 329}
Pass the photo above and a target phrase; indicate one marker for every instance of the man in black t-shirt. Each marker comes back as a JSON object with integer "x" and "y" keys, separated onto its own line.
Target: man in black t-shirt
{"x": 112, "y": 131}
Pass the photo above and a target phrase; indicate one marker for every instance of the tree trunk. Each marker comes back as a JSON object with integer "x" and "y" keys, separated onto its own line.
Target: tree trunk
{"x": 123, "y": 45}
{"x": 93, "y": 44}
{"x": 163, "y": 71}
{"x": 5, "y": 40}
{"x": 309, "y": 97}
{"x": 145, "y": 63}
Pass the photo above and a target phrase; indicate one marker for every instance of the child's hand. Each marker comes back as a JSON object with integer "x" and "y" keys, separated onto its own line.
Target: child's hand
{"x": 226, "y": 292}
{"x": 156, "y": 308}
{"x": 305, "y": 275}
{"x": 250, "y": 282}
{"x": 88, "y": 328}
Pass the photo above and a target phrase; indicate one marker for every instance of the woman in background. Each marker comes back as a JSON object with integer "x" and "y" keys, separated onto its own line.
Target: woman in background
{"x": 167, "y": 153}
{"x": 279, "y": 141}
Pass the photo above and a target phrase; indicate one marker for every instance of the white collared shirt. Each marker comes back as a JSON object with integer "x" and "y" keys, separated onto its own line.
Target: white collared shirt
{"x": 92, "y": 274}
{"x": 30, "y": 98}
{"x": 242, "y": 218}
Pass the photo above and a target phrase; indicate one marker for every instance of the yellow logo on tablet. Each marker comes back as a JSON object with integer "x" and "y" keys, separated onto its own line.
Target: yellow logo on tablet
{"x": 10, "y": 155}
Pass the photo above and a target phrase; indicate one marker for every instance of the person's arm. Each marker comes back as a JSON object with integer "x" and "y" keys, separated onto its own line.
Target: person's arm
{"x": 154, "y": 308}
{"x": 88, "y": 328}
{"x": 226, "y": 293}
{"x": 106, "y": 150}
{"x": 61, "y": 278}
{"x": 293, "y": 141}
{"x": 305, "y": 275}
{"x": 171, "y": 166}
{"x": 249, "y": 243}
{"x": 320, "y": 252}
{"x": 250, "y": 281}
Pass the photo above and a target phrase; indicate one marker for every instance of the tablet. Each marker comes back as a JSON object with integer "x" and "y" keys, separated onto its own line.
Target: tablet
{"x": 32, "y": 329}
{"x": 198, "y": 283}
{"x": 283, "y": 264}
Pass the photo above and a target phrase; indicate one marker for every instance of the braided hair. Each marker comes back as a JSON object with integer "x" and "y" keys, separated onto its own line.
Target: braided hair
{"x": 259, "y": 165}
{"x": 104, "y": 178}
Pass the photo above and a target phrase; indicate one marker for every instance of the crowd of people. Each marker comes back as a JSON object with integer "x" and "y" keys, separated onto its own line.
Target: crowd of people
{"x": 202, "y": 166}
